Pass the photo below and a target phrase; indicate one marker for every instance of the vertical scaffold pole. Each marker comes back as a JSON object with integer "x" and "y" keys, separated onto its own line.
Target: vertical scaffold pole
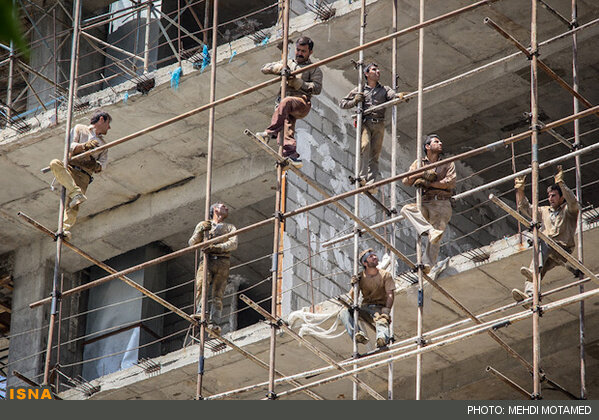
{"x": 419, "y": 134}
{"x": 179, "y": 49}
{"x": 11, "y": 71}
{"x": 147, "y": 39}
{"x": 61, "y": 208}
{"x": 393, "y": 185}
{"x": 55, "y": 66}
{"x": 536, "y": 346}
{"x": 574, "y": 23}
{"x": 204, "y": 299}
{"x": 357, "y": 163}
{"x": 278, "y": 206}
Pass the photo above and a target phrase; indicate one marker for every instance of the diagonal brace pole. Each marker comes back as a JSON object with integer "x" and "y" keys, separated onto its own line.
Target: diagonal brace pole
{"x": 540, "y": 63}
{"x": 546, "y": 239}
{"x": 508, "y": 381}
{"x": 308, "y": 345}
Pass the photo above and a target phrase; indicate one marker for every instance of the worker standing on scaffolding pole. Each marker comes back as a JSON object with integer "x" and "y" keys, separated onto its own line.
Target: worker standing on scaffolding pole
{"x": 296, "y": 104}
{"x": 219, "y": 261}
{"x": 77, "y": 177}
{"x": 373, "y": 123}
{"x": 437, "y": 186}
{"x": 378, "y": 292}
{"x": 559, "y": 221}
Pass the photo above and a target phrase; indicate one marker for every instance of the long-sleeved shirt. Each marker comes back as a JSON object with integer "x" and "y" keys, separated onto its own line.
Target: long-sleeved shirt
{"x": 311, "y": 79}
{"x": 81, "y": 134}
{"x": 559, "y": 224}
{"x": 222, "y": 248}
{"x": 445, "y": 175}
{"x": 372, "y": 97}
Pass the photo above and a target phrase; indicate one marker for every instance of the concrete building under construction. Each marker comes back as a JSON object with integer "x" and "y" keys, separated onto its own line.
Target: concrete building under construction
{"x": 508, "y": 85}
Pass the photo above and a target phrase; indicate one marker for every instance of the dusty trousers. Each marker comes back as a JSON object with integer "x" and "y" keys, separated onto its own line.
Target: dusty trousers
{"x": 75, "y": 182}
{"x": 283, "y": 119}
{"x": 216, "y": 277}
{"x": 435, "y": 214}
{"x": 371, "y": 145}
{"x": 548, "y": 259}
{"x": 382, "y": 329}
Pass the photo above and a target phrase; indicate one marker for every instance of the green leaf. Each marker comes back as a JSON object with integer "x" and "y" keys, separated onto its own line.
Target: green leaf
{"x": 10, "y": 27}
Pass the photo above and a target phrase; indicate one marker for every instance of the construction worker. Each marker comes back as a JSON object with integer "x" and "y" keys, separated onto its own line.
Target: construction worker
{"x": 558, "y": 220}
{"x": 218, "y": 256}
{"x": 373, "y": 126}
{"x": 437, "y": 185}
{"x": 297, "y": 103}
{"x": 377, "y": 289}
{"x": 77, "y": 177}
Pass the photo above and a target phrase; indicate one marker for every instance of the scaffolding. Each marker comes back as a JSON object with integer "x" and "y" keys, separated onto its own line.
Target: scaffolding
{"x": 137, "y": 68}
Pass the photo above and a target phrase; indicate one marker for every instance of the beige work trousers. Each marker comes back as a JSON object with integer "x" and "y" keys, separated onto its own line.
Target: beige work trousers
{"x": 75, "y": 182}
{"x": 549, "y": 258}
{"x": 435, "y": 214}
{"x": 371, "y": 145}
{"x": 217, "y": 276}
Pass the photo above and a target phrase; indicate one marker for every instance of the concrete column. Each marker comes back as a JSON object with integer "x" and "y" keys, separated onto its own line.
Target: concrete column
{"x": 32, "y": 279}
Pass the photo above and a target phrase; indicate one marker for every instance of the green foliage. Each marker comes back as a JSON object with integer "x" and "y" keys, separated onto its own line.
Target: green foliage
{"x": 10, "y": 27}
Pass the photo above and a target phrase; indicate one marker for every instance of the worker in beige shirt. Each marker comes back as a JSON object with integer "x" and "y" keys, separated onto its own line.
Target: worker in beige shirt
{"x": 296, "y": 104}
{"x": 558, "y": 221}
{"x": 378, "y": 292}
{"x": 76, "y": 177}
{"x": 219, "y": 259}
{"x": 437, "y": 188}
{"x": 373, "y": 126}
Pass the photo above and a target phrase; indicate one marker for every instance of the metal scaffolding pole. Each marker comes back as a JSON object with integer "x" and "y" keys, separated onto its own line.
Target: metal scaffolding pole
{"x": 62, "y": 205}
{"x": 357, "y": 162}
{"x": 209, "y": 155}
{"x": 393, "y": 185}
{"x": 577, "y": 145}
{"x": 278, "y": 205}
{"x": 147, "y": 38}
{"x": 534, "y": 109}
{"x": 419, "y": 265}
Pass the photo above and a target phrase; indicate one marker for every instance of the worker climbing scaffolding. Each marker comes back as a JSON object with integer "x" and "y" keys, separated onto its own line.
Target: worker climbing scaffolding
{"x": 77, "y": 177}
{"x": 296, "y": 104}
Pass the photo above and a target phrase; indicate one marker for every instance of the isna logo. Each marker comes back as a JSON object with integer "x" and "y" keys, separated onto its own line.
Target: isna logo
{"x": 29, "y": 393}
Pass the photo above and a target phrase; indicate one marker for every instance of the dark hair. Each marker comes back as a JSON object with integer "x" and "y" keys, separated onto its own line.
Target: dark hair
{"x": 99, "y": 113}
{"x": 212, "y": 207}
{"x": 304, "y": 40}
{"x": 428, "y": 139}
{"x": 555, "y": 187}
{"x": 367, "y": 68}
